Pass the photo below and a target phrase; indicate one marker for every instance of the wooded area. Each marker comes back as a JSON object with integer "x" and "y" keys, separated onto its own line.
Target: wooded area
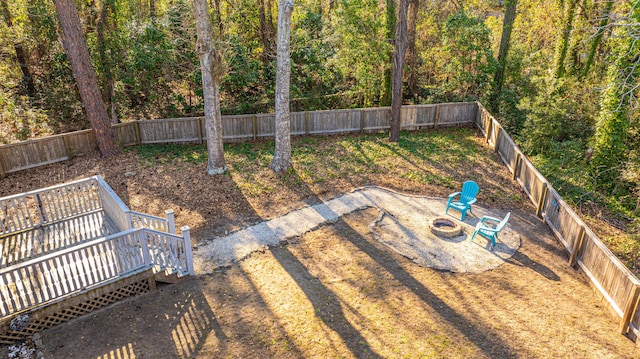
{"x": 561, "y": 76}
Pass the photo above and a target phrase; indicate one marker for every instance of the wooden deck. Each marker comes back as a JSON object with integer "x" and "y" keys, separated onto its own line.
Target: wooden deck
{"x": 62, "y": 243}
{"x": 38, "y": 241}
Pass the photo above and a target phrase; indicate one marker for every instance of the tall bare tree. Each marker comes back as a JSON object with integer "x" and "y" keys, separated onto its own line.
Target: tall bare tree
{"x": 507, "y": 27}
{"x": 282, "y": 156}
{"x": 210, "y": 64}
{"x": 399, "y": 52}
{"x": 412, "y": 55}
{"x": 76, "y": 49}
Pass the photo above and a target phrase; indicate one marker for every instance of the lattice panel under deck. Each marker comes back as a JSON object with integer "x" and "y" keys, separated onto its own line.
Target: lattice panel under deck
{"x": 75, "y": 311}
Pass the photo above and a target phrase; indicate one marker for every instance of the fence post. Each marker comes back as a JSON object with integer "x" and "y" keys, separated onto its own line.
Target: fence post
{"x": 361, "y": 120}
{"x": 577, "y": 247}
{"x": 171, "y": 223}
{"x": 186, "y": 235}
{"x": 200, "y": 134}
{"x": 543, "y": 196}
{"x": 516, "y": 166}
{"x": 67, "y": 147}
{"x": 306, "y": 122}
{"x": 254, "y": 123}
{"x": 2, "y": 172}
{"x": 629, "y": 310}
{"x": 488, "y": 129}
{"x": 136, "y": 130}
{"x": 436, "y": 119}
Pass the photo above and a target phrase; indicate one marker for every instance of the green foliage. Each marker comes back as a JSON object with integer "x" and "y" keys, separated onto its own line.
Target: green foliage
{"x": 558, "y": 113}
{"x": 467, "y": 64}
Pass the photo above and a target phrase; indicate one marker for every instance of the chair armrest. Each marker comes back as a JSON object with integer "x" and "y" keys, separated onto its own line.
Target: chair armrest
{"x": 454, "y": 194}
{"x": 488, "y": 218}
{"x": 472, "y": 201}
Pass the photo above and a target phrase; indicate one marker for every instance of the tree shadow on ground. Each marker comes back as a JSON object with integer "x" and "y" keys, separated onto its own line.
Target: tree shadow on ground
{"x": 178, "y": 325}
{"x": 490, "y": 344}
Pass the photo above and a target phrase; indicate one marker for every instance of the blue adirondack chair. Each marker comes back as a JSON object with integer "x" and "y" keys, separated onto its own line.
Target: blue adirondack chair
{"x": 488, "y": 231}
{"x": 467, "y": 198}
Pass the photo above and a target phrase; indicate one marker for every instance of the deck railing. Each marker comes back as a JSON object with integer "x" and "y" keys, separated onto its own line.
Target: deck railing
{"x": 48, "y": 205}
{"x": 34, "y": 273}
{"x": 55, "y": 276}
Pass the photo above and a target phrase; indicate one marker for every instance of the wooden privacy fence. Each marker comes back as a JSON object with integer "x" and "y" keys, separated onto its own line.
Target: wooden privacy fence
{"x": 613, "y": 280}
{"x": 237, "y": 128}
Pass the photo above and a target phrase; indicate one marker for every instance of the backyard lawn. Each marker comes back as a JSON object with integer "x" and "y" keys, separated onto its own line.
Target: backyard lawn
{"x": 334, "y": 292}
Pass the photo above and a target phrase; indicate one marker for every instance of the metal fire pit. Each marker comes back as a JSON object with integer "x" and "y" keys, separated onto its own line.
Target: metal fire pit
{"x": 445, "y": 228}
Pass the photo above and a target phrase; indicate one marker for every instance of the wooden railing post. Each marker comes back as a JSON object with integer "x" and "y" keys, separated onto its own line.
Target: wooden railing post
{"x": 136, "y": 130}
{"x": 144, "y": 246}
{"x": 541, "y": 200}
{"x": 306, "y": 122}
{"x": 171, "y": 224}
{"x": 630, "y": 310}
{"x": 2, "y": 171}
{"x": 200, "y": 132}
{"x": 254, "y": 123}
{"x": 186, "y": 234}
{"x": 67, "y": 147}
{"x": 516, "y": 166}
{"x": 576, "y": 248}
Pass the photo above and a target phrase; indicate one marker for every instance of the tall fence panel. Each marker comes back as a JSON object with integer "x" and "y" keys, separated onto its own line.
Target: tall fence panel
{"x": 376, "y": 119}
{"x": 265, "y": 125}
{"x": 174, "y": 130}
{"x": 452, "y": 114}
{"x": 127, "y": 133}
{"x": 417, "y": 117}
{"x": 80, "y": 142}
{"x": 614, "y": 281}
{"x": 336, "y": 121}
{"x": 237, "y": 128}
{"x": 299, "y": 123}
{"x": 29, "y": 154}
{"x": 563, "y": 221}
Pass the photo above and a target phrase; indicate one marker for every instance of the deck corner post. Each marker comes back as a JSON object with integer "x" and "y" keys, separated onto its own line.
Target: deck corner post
{"x": 171, "y": 223}
{"x": 186, "y": 235}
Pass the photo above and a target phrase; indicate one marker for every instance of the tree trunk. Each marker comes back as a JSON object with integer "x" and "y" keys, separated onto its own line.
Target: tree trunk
{"x": 216, "y": 4}
{"x": 412, "y": 56}
{"x": 563, "y": 41}
{"x": 282, "y": 156}
{"x": 507, "y": 27}
{"x": 210, "y": 68}
{"x": 107, "y": 81}
{"x": 604, "y": 20}
{"x": 400, "y": 49}
{"x": 21, "y": 56}
{"x": 76, "y": 48}
{"x": 265, "y": 35}
{"x": 387, "y": 86}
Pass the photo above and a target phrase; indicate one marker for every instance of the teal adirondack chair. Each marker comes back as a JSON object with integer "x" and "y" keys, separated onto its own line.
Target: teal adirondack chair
{"x": 490, "y": 232}
{"x": 467, "y": 197}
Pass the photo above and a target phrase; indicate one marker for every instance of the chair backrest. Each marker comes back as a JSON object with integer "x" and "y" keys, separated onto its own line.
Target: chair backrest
{"x": 469, "y": 191}
{"x": 503, "y": 222}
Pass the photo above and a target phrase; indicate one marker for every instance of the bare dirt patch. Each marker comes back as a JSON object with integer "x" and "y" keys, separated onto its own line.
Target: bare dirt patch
{"x": 336, "y": 291}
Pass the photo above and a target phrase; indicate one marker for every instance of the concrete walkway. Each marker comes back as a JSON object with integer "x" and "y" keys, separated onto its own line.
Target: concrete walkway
{"x": 403, "y": 226}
